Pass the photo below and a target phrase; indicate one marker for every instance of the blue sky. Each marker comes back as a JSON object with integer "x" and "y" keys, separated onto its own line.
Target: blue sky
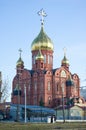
{"x": 65, "y": 24}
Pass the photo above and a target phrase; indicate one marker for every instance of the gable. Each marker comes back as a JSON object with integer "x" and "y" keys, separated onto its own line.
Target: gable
{"x": 76, "y": 108}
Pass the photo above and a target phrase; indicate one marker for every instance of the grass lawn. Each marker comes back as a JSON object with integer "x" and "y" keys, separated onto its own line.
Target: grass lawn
{"x": 44, "y": 126}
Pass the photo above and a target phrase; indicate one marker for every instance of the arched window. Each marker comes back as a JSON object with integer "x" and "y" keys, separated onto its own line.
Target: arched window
{"x": 36, "y": 65}
{"x": 35, "y": 100}
{"x": 48, "y": 59}
{"x": 41, "y": 65}
{"x": 57, "y": 87}
{"x": 49, "y": 100}
{"x": 34, "y": 59}
{"x": 58, "y": 102}
{"x": 63, "y": 74}
{"x": 44, "y": 58}
{"x": 35, "y": 85}
{"x": 41, "y": 86}
{"x": 29, "y": 87}
{"x": 49, "y": 86}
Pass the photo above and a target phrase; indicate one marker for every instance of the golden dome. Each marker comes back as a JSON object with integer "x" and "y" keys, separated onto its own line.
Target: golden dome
{"x": 19, "y": 62}
{"x": 39, "y": 56}
{"x": 42, "y": 41}
{"x": 65, "y": 60}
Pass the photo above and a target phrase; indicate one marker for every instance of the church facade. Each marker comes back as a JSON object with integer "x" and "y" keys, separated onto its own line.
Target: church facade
{"x": 44, "y": 85}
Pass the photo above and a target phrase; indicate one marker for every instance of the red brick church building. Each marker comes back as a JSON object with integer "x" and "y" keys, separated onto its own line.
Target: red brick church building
{"x": 44, "y": 84}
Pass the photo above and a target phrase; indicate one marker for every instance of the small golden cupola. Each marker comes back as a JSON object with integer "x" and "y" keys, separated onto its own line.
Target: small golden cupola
{"x": 39, "y": 60}
{"x": 20, "y": 63}
{"x": 65, "y": 61}
{"x": 39, "y": 55}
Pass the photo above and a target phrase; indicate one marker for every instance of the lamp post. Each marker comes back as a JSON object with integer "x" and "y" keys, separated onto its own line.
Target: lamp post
{"x": 41, "y": 103}
{"x": 63, "y": 77}
{"x": 18, "y": 107}
{"x": 25, "y": 103}
{"x": 62, "y": 85}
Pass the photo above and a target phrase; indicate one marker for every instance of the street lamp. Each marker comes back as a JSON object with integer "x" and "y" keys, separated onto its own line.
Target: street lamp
{"x": 25, "y": 103}
{"x": 62, "y": 85}
{"x": 63, "y": 76}
{"x": 18, "y": 94}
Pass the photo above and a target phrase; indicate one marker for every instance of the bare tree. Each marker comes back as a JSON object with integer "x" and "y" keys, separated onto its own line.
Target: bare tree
{"x": 5, "y": 90}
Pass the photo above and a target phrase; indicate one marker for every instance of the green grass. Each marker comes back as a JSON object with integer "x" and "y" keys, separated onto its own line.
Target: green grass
{"x": 44, "y": 126}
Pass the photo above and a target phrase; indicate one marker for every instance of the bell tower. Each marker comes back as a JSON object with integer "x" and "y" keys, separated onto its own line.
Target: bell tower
{"x": 45, "y": 44}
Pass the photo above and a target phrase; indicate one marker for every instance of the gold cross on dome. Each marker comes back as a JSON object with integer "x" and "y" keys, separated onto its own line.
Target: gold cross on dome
{"x": 64, "y": 49}
{"x": 20, "y": 51}
{"x": 42, "y": 14}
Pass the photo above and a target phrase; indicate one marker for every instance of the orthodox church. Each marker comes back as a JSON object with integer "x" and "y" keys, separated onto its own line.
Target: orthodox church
{"x": 45, "y": 85}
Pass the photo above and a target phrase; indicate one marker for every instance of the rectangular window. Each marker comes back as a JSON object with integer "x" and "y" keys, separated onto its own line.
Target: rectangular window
{"x": 41, "y": 65}
{"x": 48, "y": 59}
{"x": 44, "y": 58}
{"x": 49, "y": 87}
{"x": 33, "y": 59}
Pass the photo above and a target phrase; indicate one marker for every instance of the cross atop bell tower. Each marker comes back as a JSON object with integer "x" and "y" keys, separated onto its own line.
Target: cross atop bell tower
{"x": 20, "y": 51}
{"x": 65, "y": 50}
{"x": 42, "y": 14}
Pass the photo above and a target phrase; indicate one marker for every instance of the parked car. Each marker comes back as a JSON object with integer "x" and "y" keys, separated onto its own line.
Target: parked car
{"x": 1, "y": 117}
